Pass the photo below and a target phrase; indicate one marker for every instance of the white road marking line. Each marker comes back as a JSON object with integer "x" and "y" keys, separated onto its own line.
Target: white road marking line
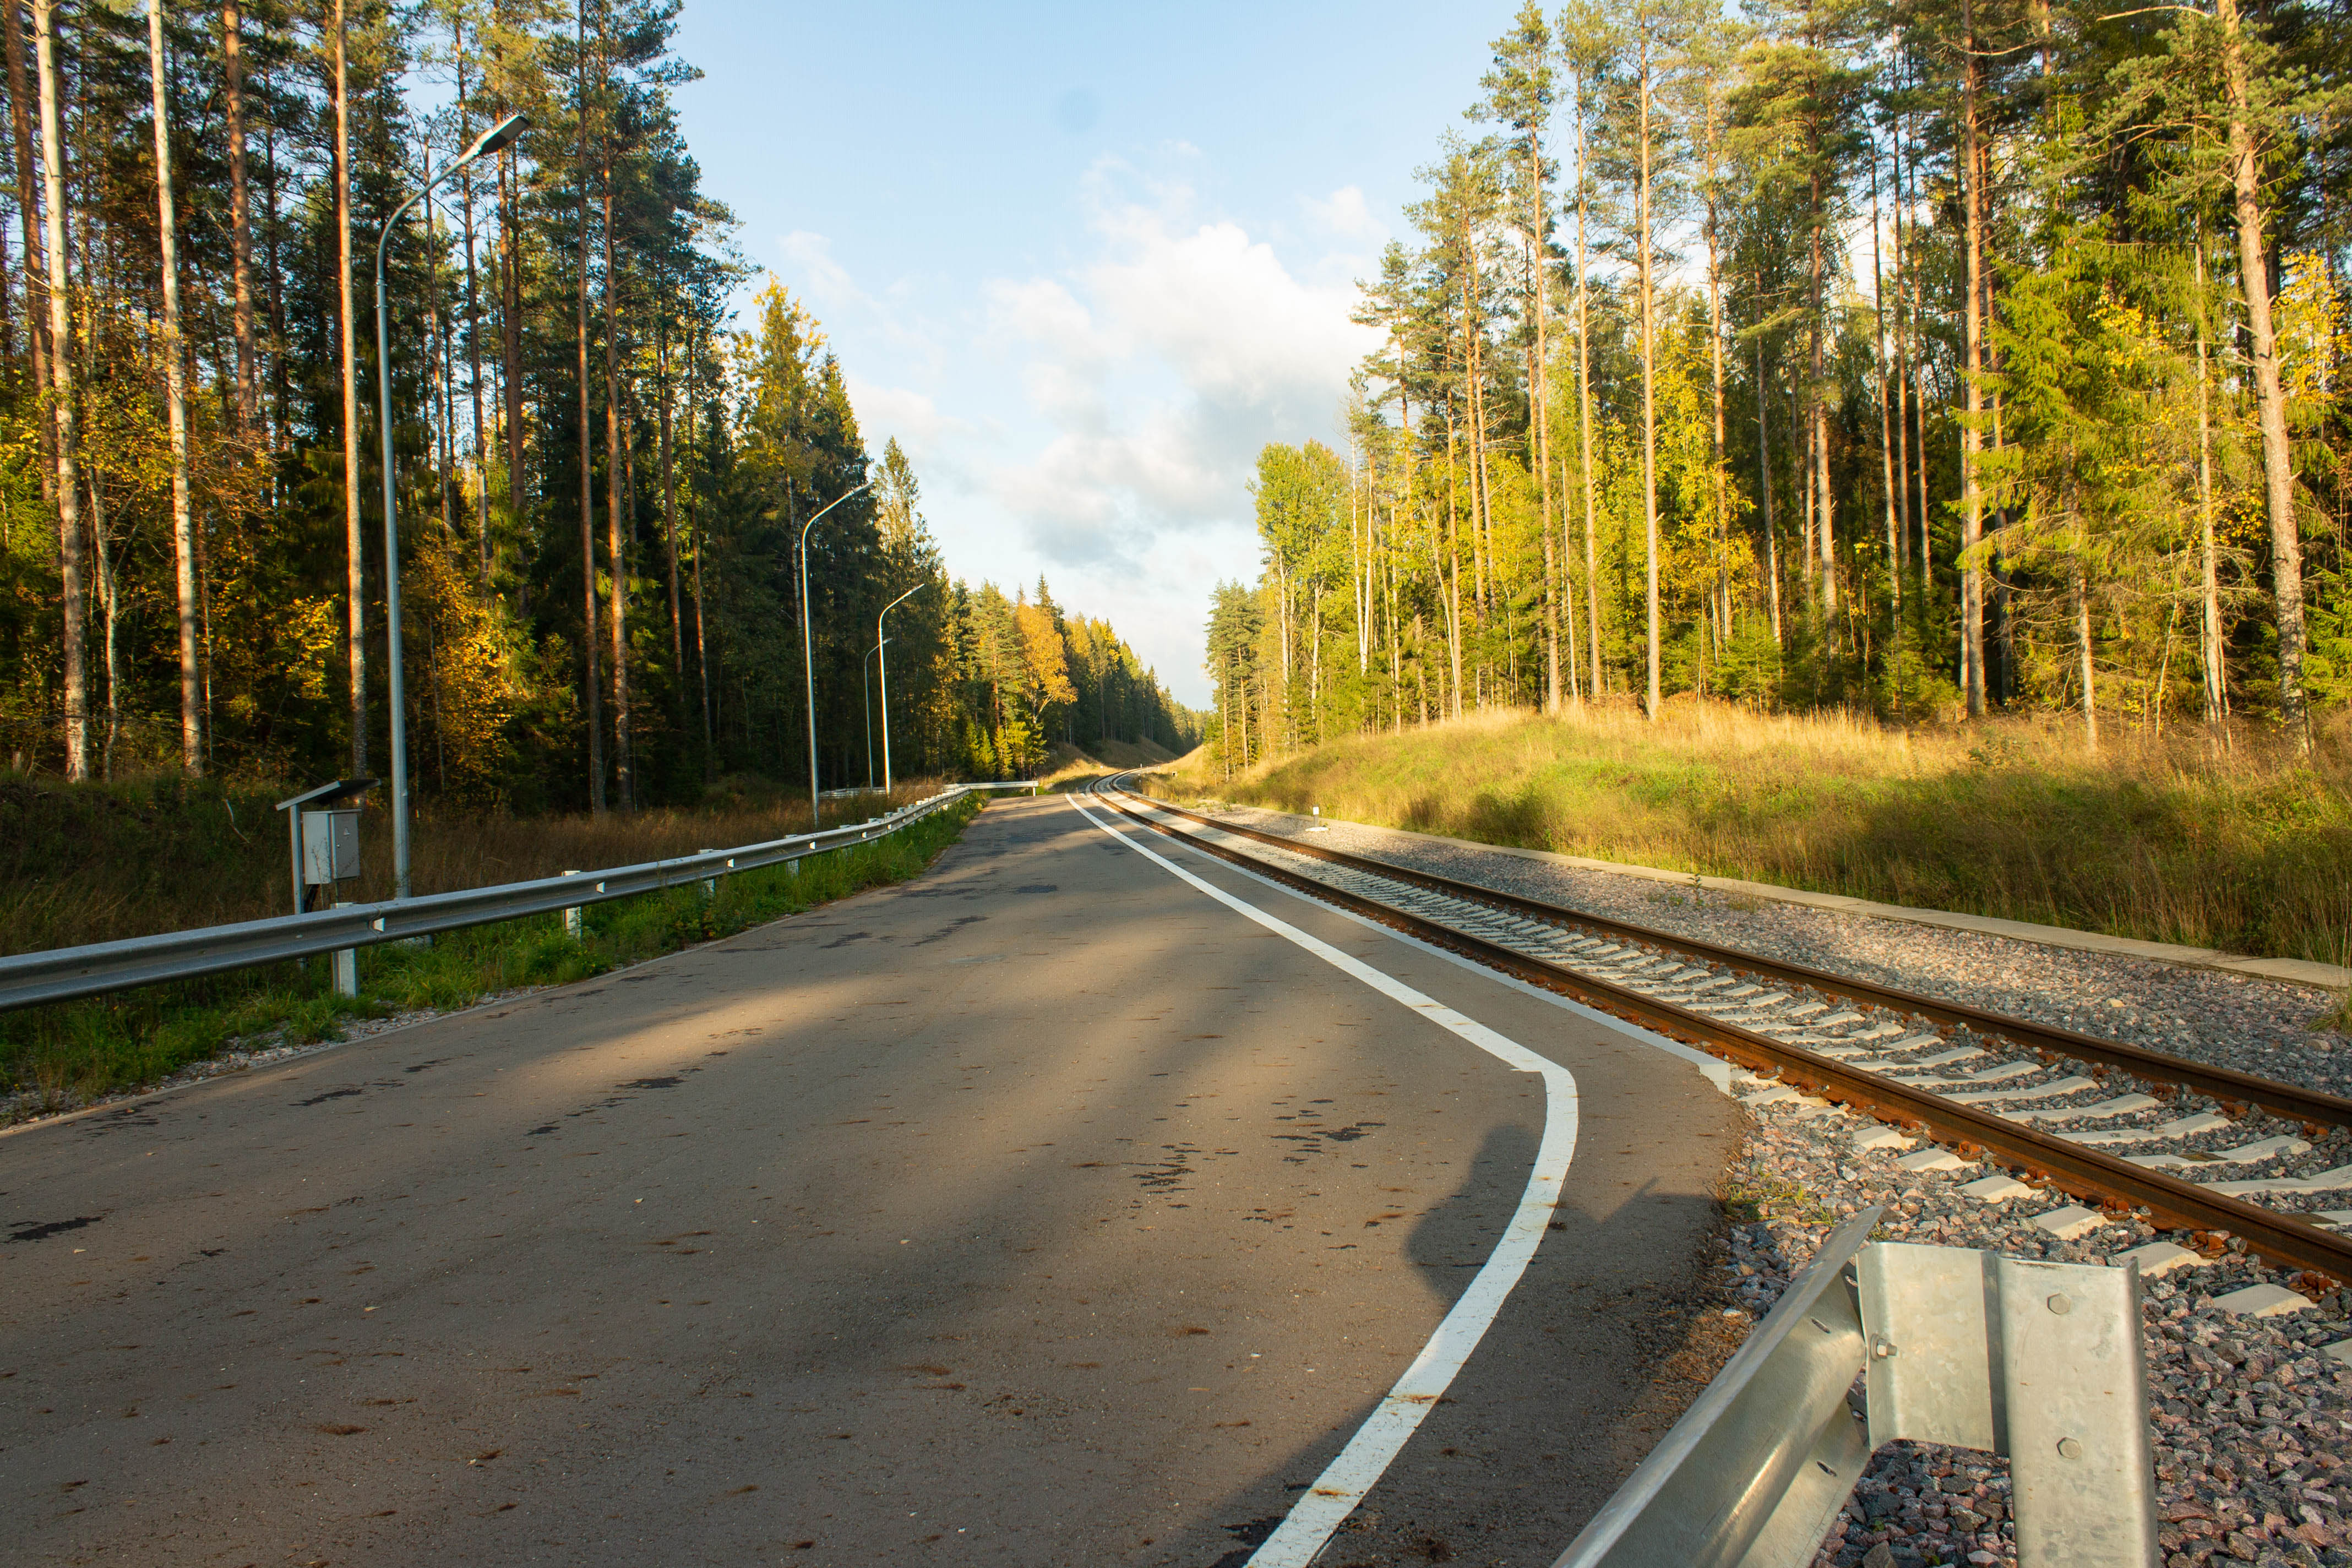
{"x": 1320, "y": 1511}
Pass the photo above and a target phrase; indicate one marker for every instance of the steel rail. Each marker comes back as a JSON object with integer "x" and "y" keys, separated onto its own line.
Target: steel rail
{"x": 2082, "y": 1171}
{"x": 68, "y": 973}
{"x": 2225, "y": 1084}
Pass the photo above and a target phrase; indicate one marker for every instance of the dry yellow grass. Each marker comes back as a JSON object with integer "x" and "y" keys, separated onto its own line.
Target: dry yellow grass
{"x": 2247, "y": 847}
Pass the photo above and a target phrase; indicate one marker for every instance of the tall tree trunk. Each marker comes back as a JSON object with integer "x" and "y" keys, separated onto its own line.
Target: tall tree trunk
{"x": 354, "y": 544}
{"x": 175, "y": 394}
{"x": 1721, "y": 486}
{"x": 1902, "y": 371}
{"x": 473, "y": 318}
{"x": 1539, "y": 404}
{"x": 240, "y": 215}
{"x": 1649, "y": 379}
{"x": 1972, "y": 671}
{"x": 510, "y": 331}
{"x": 1886, "y": 395}
{"x": 616, "y": 540}
{"x": 2000, "y": 685}
{"x": 1568, "y": 597}
{"x": 592, "y": 683}
{"x": 109, "y": 612}
{"x": 2217, "y": 696}
{"x": 1361, "y": 573}
{"x": 2270, "y": 396}
{"x": 1315, "y": 667}
{"x": 669, "y": 497}
{"x": 73, "y": 634}
{"x": 1474, "y": 376}
{"x": 1396, "y": 650}
{"x": 694, "y": 522}
{"x": 279, "y": 374}
{"x": 28, "y": 211}
{"x": 441, "y": 394}
{"x": 1282, "y": 627}
{"x": 2086, "y": 670}
{"x": 1920, "y": 401}
{"x": 8, "y": 319}
{"x": 1400, "y": 505}
{"x": 1584, "y": 400}
{"x": 1764, "y": 491}
{"x": 1822, "y": 504}
{"x": 1453, "y": 542}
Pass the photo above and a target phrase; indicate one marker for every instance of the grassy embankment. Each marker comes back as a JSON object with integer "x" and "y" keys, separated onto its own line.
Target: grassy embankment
{"x": 88, "y": 864}
{"x": 2248, "y": 850}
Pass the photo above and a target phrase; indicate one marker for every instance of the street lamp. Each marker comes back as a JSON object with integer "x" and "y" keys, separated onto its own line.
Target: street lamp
{"x": 879, "y": 643}
{"x": 808, "y": 671}
{"x": 496, "y": 139}
{"x": 865, "y": 688}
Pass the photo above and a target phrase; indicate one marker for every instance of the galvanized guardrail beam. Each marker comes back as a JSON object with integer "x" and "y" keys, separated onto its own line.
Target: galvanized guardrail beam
{"x": 68, "y": 974}
{"x": 2039, "y": 1362}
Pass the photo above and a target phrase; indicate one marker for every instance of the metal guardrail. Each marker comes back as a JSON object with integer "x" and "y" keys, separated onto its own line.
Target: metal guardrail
{"x": 68, "y": 974}
{"x": 2040, "y": 1362}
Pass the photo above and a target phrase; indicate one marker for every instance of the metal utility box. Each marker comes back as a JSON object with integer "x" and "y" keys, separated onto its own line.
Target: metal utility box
{"x": 323, "y": 826}
{"x": 330, "y": 846}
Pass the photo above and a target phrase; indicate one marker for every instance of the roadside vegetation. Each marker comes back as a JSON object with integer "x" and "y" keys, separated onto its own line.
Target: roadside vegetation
{"x": 81, "y": 863}
{"x": 55, "y": 1058}
{"x": 2247, "y": 848}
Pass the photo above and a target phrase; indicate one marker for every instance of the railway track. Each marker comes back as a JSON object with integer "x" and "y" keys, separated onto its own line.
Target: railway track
{"x": 2113, "y": 1125}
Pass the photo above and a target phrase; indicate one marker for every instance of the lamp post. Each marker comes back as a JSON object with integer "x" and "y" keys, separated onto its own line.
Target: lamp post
{"x": 496, "y": 139}
{"x": 808, "y": 671}
{"x": 866, "y": 688}
{"x": 880, "y": 642}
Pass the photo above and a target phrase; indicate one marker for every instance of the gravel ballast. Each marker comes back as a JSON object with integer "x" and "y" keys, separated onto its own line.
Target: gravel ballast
{"x": 2255, "y": 1025}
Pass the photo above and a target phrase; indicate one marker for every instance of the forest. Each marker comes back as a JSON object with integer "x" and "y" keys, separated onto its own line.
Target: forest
{"x": 1924, "y": 360}
{"x": 604, "y": 448}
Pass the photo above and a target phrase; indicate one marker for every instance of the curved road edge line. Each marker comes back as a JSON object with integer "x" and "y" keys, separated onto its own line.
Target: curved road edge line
{"x": 1320, "y": 1511}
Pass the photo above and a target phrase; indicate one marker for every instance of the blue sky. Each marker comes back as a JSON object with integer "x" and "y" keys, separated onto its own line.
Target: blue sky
{"x": 1082, "y": 261}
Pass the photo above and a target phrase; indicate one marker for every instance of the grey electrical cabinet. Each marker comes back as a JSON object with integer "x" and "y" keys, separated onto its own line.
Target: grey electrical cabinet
{"x": 324, "y": 827}
{"x": 330, "y": 845}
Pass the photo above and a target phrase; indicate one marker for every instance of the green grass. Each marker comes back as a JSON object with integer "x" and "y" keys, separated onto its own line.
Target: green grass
{"x": 63, "y": 1056}
{"x": 2247, "y": 848}
{"x": 1747, "y": 1200}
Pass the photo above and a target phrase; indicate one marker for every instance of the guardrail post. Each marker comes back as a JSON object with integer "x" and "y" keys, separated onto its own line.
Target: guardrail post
{"x": 574, "y": 926}
{"x": 343, "y": 963}
{"x": 709, "y": 884}
{"x": 2039, "y": 1362}
{"x": 2042, "y": 1361}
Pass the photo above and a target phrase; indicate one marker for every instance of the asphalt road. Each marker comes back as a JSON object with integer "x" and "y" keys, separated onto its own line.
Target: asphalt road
{"x": 1040, "y": 1211}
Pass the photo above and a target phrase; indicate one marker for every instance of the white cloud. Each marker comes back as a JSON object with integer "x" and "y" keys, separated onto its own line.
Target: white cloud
{"x": 1346, "y": 214}
{"x": 934, "y": 441}
{"x": 1161, "y": 364}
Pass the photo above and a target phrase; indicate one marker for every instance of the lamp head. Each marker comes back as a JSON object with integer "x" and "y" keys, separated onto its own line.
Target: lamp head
{"x": 497, "y": 138}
